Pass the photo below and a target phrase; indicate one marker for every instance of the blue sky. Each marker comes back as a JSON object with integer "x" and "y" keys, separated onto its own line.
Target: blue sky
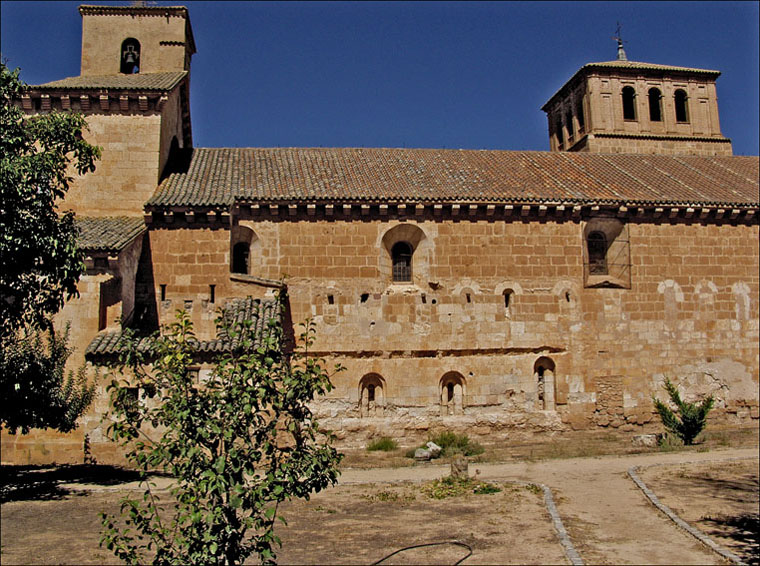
{"x": 395, "y": 74}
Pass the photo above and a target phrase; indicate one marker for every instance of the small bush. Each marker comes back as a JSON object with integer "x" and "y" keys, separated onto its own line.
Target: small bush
{"x": 455, "y": 487}
{"x": 452, "y": 443}
{"x": 383, "y": 444}
{"x": 689, "y": 419}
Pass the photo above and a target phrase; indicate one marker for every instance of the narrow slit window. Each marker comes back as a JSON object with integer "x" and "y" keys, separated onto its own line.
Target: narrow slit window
{"x": 558, "y": 132}
{"x": 569, "y": 124}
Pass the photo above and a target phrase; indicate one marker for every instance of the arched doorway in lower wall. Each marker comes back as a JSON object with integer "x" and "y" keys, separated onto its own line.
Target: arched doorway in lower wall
{"x": 371, "y": 395}
{"x": 452, "y": 392}
{"x": 543, "y": 374}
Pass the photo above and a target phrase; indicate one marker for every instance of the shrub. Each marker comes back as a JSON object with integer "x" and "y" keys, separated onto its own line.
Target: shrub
{"x": 690, "y": 418}
{"x": 452, "y": 443}
{"x": 383, "y": 444}
{"x": 235, "y": 448}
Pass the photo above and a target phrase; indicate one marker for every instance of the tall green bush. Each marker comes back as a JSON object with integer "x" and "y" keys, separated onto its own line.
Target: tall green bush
{"x": 689, "y": 419}
{"x": 235, "y": 446}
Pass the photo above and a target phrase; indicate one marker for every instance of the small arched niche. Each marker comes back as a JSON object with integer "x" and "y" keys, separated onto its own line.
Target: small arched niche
{"x": 543, "y": 375}
{"x": 371, "y": 395}
{"x": 452, "y": 393}
{"x": 130, "y": 56}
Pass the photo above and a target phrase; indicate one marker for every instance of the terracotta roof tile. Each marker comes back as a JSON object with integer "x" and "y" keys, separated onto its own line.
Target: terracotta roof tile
{"x": 109, "y": 234}
{"x": 221, "y": 176}
{"x": 139, "y": 81}
{"x": 264, "y": 315}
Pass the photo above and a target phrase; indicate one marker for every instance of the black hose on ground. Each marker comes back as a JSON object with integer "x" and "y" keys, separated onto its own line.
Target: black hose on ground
{"x": 454, "y": 542}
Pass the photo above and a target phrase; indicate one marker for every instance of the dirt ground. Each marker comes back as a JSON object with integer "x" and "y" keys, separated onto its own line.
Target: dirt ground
{"x": 721, "y": 499}
{"x": 51, "y": 516}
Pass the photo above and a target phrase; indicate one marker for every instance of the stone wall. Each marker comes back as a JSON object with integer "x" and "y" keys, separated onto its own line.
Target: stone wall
{"x": 496, "y": 309}
{"x": 162, "y": 40}
{"x": 488, "y": 300}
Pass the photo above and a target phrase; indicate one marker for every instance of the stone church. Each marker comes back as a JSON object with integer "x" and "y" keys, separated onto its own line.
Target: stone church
{"x": 489, "y": 292}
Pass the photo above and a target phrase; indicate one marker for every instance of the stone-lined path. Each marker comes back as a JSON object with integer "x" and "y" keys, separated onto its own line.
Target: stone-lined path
{"x": 608, "y": 518}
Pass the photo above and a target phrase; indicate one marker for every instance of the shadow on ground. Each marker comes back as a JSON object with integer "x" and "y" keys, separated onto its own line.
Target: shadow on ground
{"x": 744, "y": 529}
{"x": 21, "y": 483}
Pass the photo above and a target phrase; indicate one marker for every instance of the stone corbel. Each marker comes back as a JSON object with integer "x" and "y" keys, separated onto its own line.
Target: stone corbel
{"x": 45, "y": 99}
{"x": 104, "y": 102}
{"x": 161, "y": 102}
{"x": 329, "y": 209}
{"x": 84, "y": 102}
{"x": 490, "y": 209}
{"x": 124, "y": 102}
{"x": 26, "y": 102}
{"x": 65, "y": 102}
{"x": 419, "y": 209}
{"x": 383, "y": 209}
{"x": 472, "y": 209}
{"x": 143, "y": 102}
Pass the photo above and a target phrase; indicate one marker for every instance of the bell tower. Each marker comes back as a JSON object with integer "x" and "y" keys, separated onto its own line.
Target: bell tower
{"x": 135, "y": 39}
{"x": 624, "y": 106}
{"x": 134, "y": 90}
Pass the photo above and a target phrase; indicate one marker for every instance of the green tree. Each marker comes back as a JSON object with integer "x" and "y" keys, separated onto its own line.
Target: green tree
{"x": 235, "y": 446}
{"x": 689, "y": 419}
{"x": 37, "y": 391}
{"x": 40, "y": 261}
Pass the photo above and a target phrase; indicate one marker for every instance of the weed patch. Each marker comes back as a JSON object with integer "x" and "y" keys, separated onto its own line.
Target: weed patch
{"x": 454, "y": 487}
{"x": 383, "y": 444}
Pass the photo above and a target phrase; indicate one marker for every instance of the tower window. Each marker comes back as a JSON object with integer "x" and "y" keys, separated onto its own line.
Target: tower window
{"x": 682, "y": 114}
{"x": 655, "y": 105}
{"x": 569, "y": 124}
{"x": 130, "y": 56}
{"x": 558, "y": 131}
{"x": 581, "y": 117}
{"x": 629, "y": 103}
{"x": 401, "y": 254}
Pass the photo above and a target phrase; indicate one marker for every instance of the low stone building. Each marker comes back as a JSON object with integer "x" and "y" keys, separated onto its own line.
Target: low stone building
{"x": 483, "y": 291}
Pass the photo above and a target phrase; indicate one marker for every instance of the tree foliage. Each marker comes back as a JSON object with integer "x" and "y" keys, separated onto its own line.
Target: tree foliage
{"x": 35, "y": 388}
{"x": 689, "y": 419}
{"x": 236, "y": 445}
{"x": 40, "y": 261}
{"x": 38, "y": 246}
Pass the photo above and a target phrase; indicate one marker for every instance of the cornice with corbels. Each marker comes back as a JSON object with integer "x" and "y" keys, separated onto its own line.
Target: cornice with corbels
{"x": 454, "y": 211}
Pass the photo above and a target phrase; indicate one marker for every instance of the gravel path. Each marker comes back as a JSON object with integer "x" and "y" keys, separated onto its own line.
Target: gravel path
{"x": 608, "y": 518}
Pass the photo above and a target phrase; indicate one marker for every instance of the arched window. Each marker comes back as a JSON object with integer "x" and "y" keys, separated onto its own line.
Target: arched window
{"x": 543, "y": 373}
{"x": 597, "y": 253}
{"x": 452, "y": 394}
{"x": 655, "y": 105}
{"x": 130, "y": 56}
{"x": 240, "y": 253}
{"x": 682, "y": 110}
{"x": 569, "y": 124}
{"x": 401, "y": 254}
{"x": 581, "y": 117}
{"x": 371, "y": 395}
{"x": 558, "y": 131}
{"x": 629, "y": 103}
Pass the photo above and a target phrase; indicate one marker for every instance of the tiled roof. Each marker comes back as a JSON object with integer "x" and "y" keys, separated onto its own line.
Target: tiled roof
{"x": 221, "y": 176}
{"x": 648, "y": 67}
{"x": 110, "y": 234}
{"x": 264, "y": 315}
{"x": 139, "y": 81}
